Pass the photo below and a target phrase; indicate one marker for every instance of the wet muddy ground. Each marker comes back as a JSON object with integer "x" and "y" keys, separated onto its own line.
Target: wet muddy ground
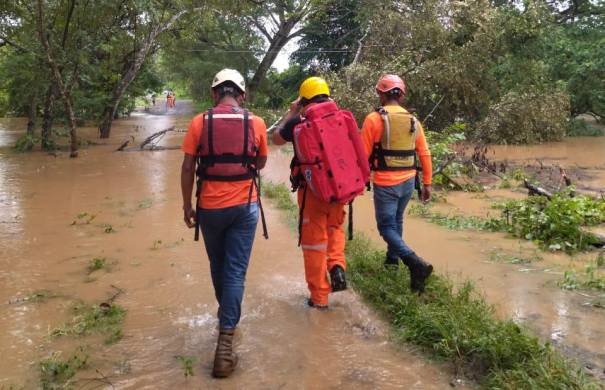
{"x": 167, "y": 289}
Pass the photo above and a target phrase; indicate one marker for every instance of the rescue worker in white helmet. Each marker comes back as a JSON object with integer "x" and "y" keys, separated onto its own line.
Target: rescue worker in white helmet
{"x": 229, "y": 145}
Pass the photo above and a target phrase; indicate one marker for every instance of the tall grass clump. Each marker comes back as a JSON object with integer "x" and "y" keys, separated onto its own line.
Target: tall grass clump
{"x": 457, "y": 324}
{"x": 282, "y": 197}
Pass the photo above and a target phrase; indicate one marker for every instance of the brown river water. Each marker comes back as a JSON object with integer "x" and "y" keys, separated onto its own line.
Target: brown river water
{"x": 167, "y": 288}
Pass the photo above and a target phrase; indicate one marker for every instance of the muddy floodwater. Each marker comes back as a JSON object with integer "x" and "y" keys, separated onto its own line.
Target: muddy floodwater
{"x": 167, "y": 288}
{"x": 130, "y": 214}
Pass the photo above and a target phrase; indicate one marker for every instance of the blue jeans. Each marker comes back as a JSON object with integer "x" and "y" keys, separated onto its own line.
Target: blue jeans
{"x": 228, "y": 235}
{"x": 389, "y": 204}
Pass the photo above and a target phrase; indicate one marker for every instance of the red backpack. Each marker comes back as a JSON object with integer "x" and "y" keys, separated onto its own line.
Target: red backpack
{"x": 330, "y": 153}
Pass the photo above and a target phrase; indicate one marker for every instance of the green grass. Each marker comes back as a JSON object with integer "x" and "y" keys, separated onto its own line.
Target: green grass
{"x": 187, "y": 363}
{"x": 453, "y": 222}
{"x": 106, "y": 319}
{"x": 282, "y": 197}
{"x": 453, "y": 323}
{"x": 56, "y": 373}
{"x": 593, "y": 277}
{"x": 96, "y": 264}
{"x": 501, "y": 257}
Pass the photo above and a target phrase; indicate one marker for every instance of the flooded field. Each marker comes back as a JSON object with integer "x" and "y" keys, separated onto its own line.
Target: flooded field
{"x": 149, "y": 254}
{"x": 58, "y": 214}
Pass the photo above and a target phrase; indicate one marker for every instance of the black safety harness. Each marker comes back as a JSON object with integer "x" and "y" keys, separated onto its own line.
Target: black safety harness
{"x": 247, "y": 161}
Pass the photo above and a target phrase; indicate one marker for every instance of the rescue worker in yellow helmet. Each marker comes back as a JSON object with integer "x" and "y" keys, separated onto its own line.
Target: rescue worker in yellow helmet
{"x": 322, "y": 233}
{"x": 394, "y": 139}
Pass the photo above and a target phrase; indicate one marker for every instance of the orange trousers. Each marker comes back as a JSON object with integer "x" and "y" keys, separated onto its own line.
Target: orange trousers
{"x": 323, "y": 243}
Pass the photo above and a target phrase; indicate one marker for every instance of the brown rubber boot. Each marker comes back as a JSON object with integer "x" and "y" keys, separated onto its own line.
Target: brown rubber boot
{"x": 225, "y": 359}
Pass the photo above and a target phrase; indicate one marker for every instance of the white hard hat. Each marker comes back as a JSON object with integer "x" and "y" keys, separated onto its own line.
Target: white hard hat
{"x": 229, "y": 75}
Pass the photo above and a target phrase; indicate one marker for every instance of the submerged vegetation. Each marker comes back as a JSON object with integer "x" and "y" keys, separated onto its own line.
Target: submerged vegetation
{"x": 593, "y": 277}
{"x": 453, "y": 322}
{"x": 187, "y": 363}
{"x": 556, "y": 224}
{"x": 104, "y": 318}
{"x": 56, "y": 373}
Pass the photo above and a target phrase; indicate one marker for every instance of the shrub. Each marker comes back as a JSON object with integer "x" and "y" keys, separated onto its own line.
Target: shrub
{"x": 526, "y": 117}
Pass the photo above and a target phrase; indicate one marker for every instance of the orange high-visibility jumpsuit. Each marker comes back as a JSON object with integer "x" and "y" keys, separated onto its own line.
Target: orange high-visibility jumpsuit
{"x": 322, "y": 242}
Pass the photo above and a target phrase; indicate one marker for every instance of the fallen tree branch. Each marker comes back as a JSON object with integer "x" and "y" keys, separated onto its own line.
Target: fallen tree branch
{"x": 456, "y": 185}
{"x": 125, "y": 144}
{"x": 536, "y": 190}
{"x": 448, "y": 161}
{"x": 154, "y": 136}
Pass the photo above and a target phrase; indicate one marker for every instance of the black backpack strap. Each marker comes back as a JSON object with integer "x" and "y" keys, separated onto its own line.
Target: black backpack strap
{"x": 350, "y": 220}
{"x": 301, "y": 215}
{"x": 246, "y": 129}
{"x": 257, "y": 185}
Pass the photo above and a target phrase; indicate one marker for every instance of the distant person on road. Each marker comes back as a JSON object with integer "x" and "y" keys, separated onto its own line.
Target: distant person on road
{"x": 394, "y": 139}
{"x": 169, "y": 101}
{"x": 321, "y": 213}
{"x": 228, "y": 144}
{"x": 153, "y": 97}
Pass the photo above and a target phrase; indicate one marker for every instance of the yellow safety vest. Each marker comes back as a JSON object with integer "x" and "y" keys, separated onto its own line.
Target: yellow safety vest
{"x": 396, "y": 150}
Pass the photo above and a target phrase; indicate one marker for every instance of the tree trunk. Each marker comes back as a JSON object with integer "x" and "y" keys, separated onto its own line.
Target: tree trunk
{"x": 32, "y": 113}
{"x": 59, "y": 83}
{"x": 47, "y": 118}
{"x": 280, "y": 39}
{"x": 120, "y": 88}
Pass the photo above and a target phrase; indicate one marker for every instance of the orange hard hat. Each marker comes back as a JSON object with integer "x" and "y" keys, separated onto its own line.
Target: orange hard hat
{"x": 389, "y": 82}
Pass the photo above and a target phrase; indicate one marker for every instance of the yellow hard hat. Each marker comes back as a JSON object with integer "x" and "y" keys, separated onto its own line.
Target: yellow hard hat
{"x": 313, "y": 86}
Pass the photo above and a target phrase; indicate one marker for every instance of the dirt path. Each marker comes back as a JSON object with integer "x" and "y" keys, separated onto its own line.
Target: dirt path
{"x": 170, "y": 306}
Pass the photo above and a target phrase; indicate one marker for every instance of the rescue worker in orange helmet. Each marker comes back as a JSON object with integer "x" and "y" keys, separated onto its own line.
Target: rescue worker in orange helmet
{"x": 393, "y": 138}
{"x": 322, "y": 233}
{"x": 229, "y": 145}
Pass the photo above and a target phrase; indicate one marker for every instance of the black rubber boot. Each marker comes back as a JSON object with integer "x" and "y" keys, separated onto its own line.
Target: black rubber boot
{"x": 338, "y": 279}
{"x": 391, "y": 263}
{"x": 316, "y": 306}
{"x": 420, "y": 270}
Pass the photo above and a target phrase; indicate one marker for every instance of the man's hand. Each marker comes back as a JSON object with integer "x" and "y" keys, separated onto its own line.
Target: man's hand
{"x": 295, "y": 106}
{"x": 189, "y": 216}
{"x": 426, "y": 193}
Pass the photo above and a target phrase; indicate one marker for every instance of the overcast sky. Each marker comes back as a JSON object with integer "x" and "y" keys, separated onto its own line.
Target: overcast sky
{"x": 283, "y": 61}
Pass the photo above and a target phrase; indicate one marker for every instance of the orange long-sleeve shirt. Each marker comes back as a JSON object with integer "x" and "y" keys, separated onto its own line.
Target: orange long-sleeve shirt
{"x": 371, "y": 133}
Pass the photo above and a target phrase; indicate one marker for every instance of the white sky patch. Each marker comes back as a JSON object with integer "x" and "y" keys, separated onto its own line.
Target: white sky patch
{"x": 282, "y": 62}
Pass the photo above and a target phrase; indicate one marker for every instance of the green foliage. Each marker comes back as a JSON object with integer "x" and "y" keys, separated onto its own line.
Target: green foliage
{"x": 331, "y": 35}
{"x": 500, "y": 257}
{"x": 454, "y": 222}
{"x": 526, "y": 117}
{"x": 83, "y": 218}
{"x": 88, "y": 319}
{"x": 580, "y": 128}
{"x": 455, "y": 323}
{"x": 96, "y": 264}
{"x": 56, "y": 373}
{"x": 555, "y": 224}
{"x": 187, "y": 363}
{"x": 281, "y": 195}
{"x": 591, "y": 279}
{"x": 25, "y": 143}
